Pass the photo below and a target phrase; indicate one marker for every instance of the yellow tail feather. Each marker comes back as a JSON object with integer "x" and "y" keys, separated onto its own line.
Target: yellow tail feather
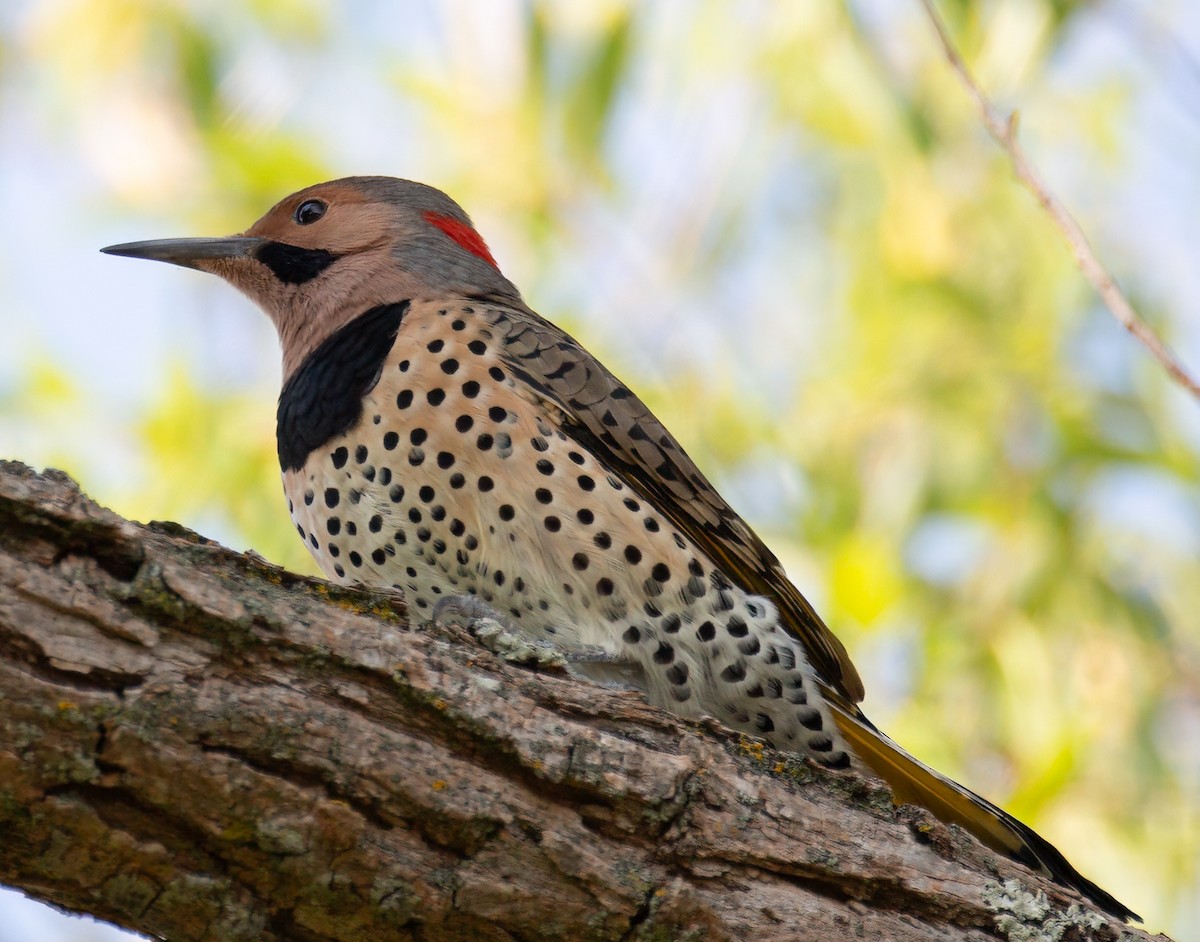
{"x": 913, "y": 782}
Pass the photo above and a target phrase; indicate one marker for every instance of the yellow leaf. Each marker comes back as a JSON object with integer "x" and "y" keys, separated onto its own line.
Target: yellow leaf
{"x": 864, "y": 579}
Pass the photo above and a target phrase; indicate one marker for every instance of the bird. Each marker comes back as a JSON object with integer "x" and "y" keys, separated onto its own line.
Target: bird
{"x": 438, "y": 436}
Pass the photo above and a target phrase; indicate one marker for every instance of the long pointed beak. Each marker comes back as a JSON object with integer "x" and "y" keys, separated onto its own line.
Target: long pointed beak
{"x": 187, "y": 252}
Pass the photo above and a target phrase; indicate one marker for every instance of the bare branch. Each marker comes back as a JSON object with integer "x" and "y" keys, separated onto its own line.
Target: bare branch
{"x": 200, "y": 746}
{"x": 1004, "y": 132}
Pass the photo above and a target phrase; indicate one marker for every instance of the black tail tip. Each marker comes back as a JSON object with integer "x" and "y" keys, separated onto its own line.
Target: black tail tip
{"x": 1040, "y": 854}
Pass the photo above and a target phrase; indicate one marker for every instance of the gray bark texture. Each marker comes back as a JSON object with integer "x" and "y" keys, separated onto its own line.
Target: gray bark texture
{"x": 201, "y": 746}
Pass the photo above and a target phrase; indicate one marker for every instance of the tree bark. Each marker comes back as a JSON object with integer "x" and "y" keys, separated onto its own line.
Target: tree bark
{"x": 198, "y": 745}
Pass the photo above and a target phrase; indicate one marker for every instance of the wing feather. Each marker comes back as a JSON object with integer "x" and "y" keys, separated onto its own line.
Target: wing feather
{"x": 624, "y": 435}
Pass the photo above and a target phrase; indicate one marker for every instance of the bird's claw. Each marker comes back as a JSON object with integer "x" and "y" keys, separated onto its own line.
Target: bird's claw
{"x": 496, "y": 633}
{"x": 504, "y": 639}
{"x": 603, "y": 667}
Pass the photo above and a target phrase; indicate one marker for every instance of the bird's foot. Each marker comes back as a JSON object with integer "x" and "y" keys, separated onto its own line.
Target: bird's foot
{"x": 496, "y": 633}
{"x": 500, "y": 636}
{"x": 602, "y": 667}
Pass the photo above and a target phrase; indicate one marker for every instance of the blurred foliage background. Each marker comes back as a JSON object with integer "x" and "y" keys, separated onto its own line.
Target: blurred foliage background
{"x": 783, "y": 224}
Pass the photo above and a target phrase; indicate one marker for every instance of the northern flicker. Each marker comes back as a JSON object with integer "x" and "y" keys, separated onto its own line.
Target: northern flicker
{"x": 437, "y": 435}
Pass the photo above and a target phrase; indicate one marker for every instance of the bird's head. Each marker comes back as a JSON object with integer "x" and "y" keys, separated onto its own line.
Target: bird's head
{"x": 326, "y": 254}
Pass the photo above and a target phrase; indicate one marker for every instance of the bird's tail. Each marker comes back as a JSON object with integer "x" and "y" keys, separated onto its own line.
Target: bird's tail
{"x": 915, "y": 783}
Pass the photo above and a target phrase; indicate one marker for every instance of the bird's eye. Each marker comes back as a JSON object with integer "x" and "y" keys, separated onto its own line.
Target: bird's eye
{"x": 309, "y": 212}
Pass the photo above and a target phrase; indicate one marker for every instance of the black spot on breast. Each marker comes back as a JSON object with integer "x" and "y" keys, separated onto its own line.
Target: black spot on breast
{"x": 809, "y": 718}
{"x": 734, "y": 672}
{"x": 324, "y": 396}
{"x": 292, "y": 264}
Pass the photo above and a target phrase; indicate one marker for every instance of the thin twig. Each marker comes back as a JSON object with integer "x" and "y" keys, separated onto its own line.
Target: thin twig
{"x": 1004, "y": 131}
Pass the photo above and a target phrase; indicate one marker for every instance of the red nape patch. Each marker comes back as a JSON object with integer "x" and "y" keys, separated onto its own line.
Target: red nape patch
{"x": 463, "y": 234}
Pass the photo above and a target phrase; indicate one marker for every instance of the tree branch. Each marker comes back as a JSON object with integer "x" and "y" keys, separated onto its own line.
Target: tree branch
{"x": 198, "y": 745}
{"x": 1004, "y": 132}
